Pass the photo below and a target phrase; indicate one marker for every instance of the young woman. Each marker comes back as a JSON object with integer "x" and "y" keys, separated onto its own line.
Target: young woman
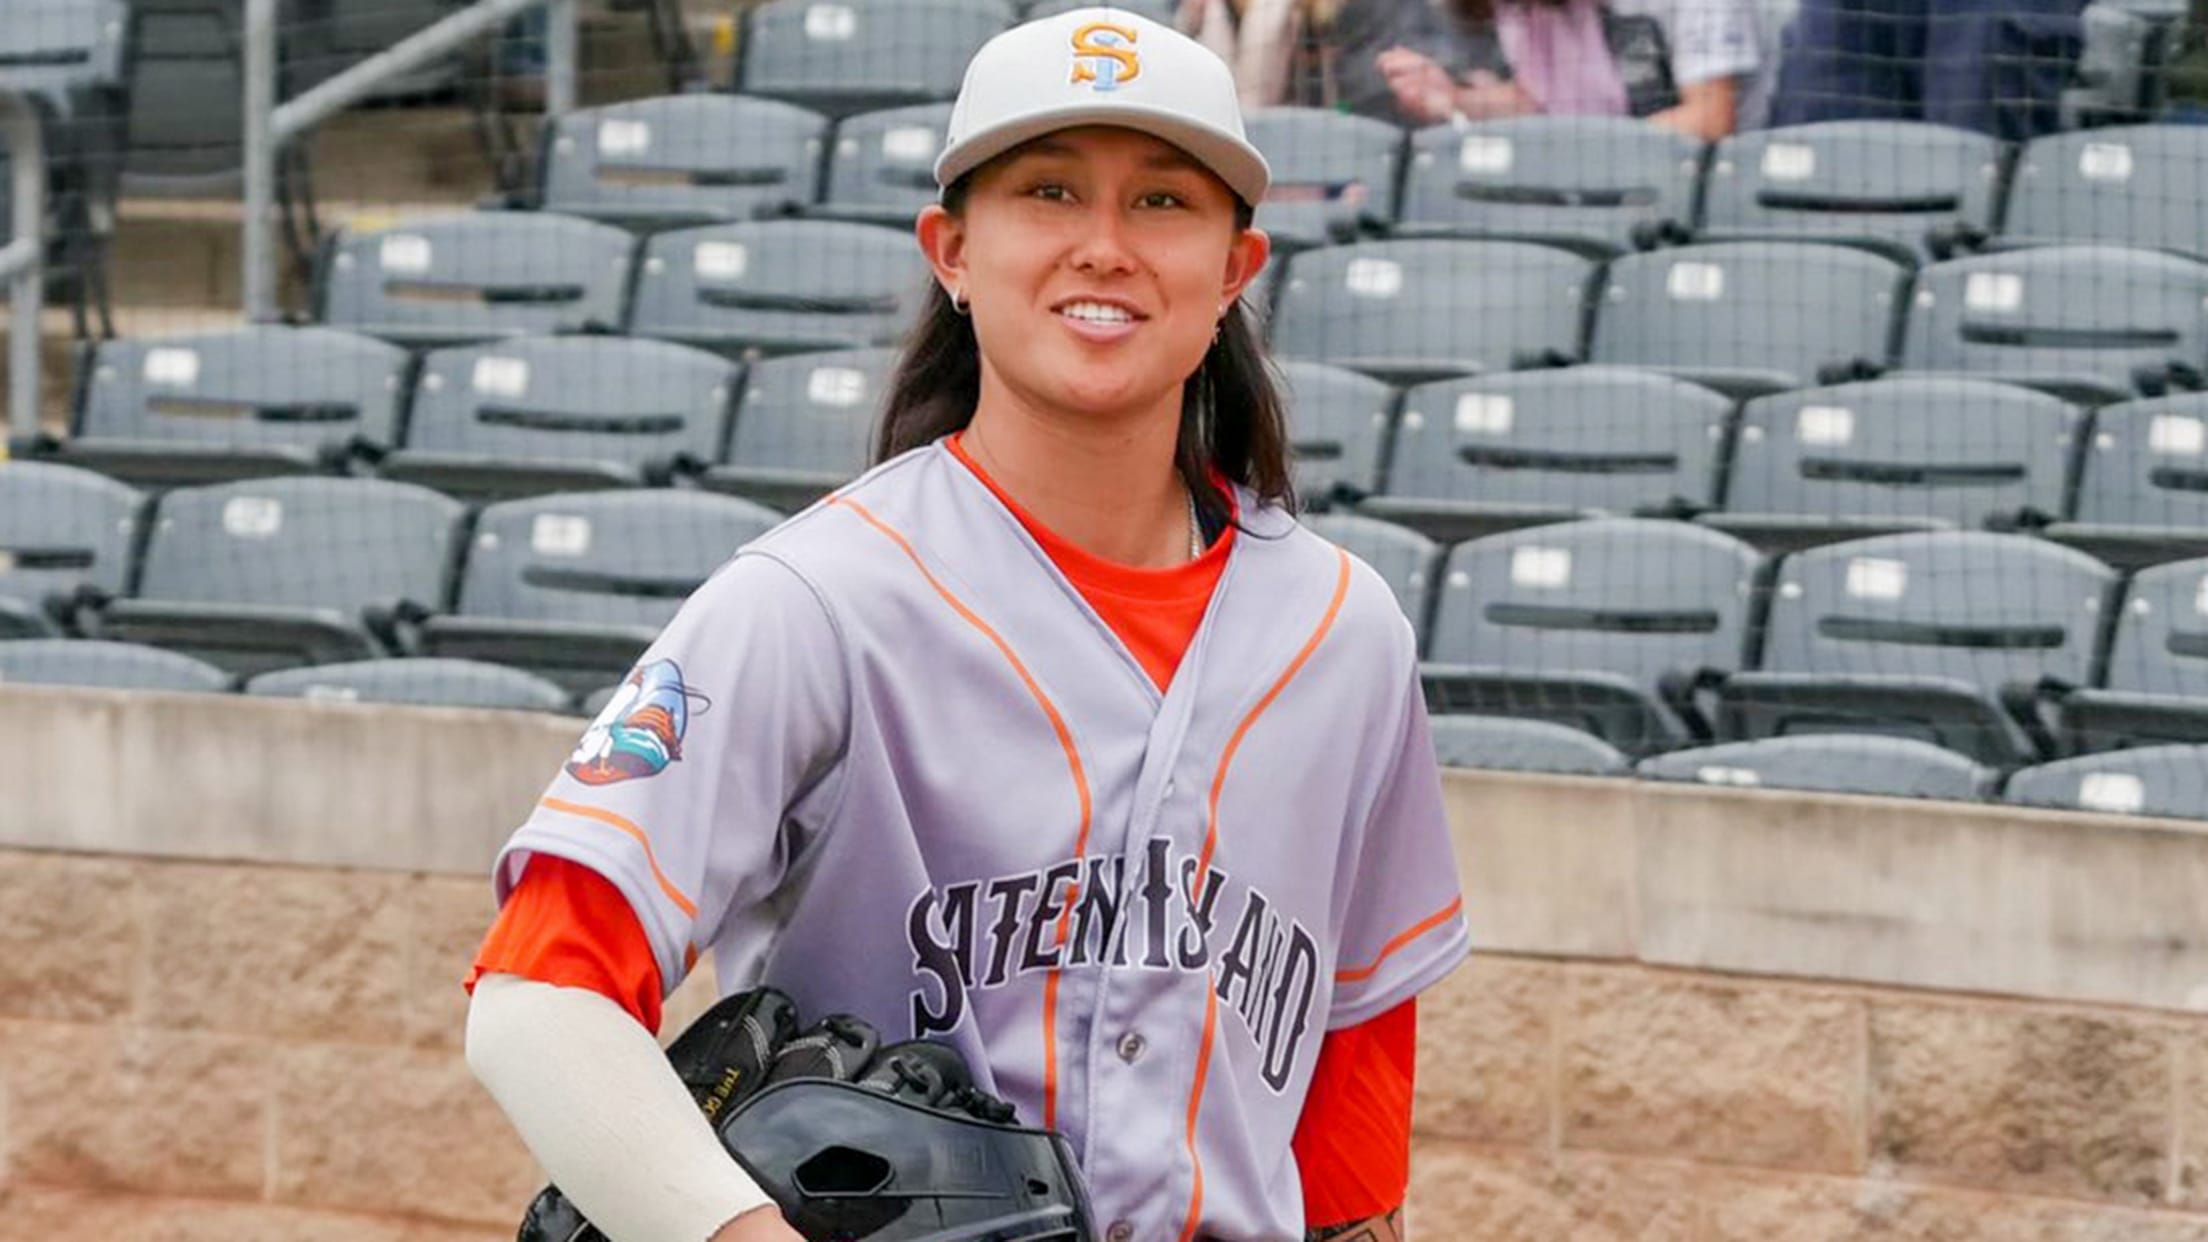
{"x": 1053, "y": 737}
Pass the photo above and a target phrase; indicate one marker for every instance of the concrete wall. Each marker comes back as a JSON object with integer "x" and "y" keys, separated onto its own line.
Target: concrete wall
{"x": 231, "y": 933}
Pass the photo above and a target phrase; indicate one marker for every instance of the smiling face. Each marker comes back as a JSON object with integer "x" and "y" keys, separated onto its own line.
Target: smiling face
{"x": 1097, "y": 262}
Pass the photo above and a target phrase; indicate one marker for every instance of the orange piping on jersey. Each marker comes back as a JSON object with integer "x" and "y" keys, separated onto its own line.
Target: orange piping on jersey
{"x": 1073, "y": 764}
{"x": 1420, "y": 928}
{"x": 688, "y": 907}
{"x": 1203, "y": 868}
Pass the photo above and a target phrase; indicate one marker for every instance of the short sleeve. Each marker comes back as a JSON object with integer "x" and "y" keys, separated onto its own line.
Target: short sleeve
{"x": 715, "y": 761}
{"x": 1711, "y": 39}
{"x": 1403, "y": 926}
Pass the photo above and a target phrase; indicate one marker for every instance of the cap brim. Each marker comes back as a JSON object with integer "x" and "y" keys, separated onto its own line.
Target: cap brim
{"x": 1232, "y": 159}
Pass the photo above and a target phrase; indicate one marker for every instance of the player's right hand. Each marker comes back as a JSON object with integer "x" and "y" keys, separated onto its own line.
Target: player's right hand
{"x": 761, "y": 1224}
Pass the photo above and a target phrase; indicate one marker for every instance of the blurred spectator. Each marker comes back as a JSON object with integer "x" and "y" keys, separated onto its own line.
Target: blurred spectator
{"x": 1995, "y": 66}
{"x": 1263, "y": 41}
{"x": 2187, "y": 74}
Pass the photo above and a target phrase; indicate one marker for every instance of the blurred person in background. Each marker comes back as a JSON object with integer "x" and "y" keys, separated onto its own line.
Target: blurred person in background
{"x": 1995, "y": 66}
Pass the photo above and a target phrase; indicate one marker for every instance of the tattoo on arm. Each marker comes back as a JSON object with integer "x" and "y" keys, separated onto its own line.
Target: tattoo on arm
{"x": 1387, "y": 1228}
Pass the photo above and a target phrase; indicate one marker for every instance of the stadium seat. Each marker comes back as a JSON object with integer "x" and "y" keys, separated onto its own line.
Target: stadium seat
{"x": 271, "y": 573}
{"x": 1334, "y": 174}
{"x": 1411, "y": 311}
{"x": 2118, "y": 74}
{"x": 1338, "y": 425}
{"x": 1912, "y": 453}
{"x": 683, "y": 160}
{"x": 209, "y": 408}
{"x": 1906, "y": 189}
{"x": 70, "y": 58}
{"x": 1477, "y": 456}
{"x": 545, "y": 414}
{"x": 2155, "y": 686}
{"x": 1600, "y": 185}
{"x": 418, "y": 682}
{"x": 881, "y": 168}
{"x": 573, "y": 587}
{"x": 106, "y": 666}
{"x": 2143, "y": 483}
{"x": 843, "y": 57}
{"x": 805, "y": 426}
{"x": 1163, "y": 12}
{"x": 779, "y": 286}
{"x": 1950, "y": 637}
{"x": 1405, "y": 558}
{"x": 1851, "y": 763}
{"x": 1750, "y": 317}
{"x": 1522, "y": 746}
{"x": 1610, "y": 626}
{"x": 2152, "y": 780}
{"x": 328, "y": 37}
{"x": 187, "y": 113}
{"x": 62, "y": 531}
{"x": 2095, "y": 323}
{"x": 2139, "y": 185}
{"x": 450, "y": 280}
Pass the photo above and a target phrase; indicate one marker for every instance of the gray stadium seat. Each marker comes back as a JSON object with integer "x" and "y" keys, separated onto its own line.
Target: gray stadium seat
{"x": 1889, "y": 186}
{"x": 1411, "y": 311}
{"x": 1338, "y": 425}
{"x": 209, "y": 408}
{"x": 1522, "y": 746}
{"x": 575, "y": 586}
{"x": 62, "y": 530}
{"x": 1913, "y": 453}
{"x": 881, "y": 168}
{"x": 417, "y": 682}
{"x": 683, "y": 160}
{"x": 805, "y": 426}
{"x": 1163, "y": 12}
{"x": 2139, "y": 185}
{"x": 1945, "y": 636}
{"x": 2098, "y": 323}
{"x": 1830, "y": 763}
{"x": 1476, "y": 456}
{"x": 2155, "y": 686}
{"x": 448, "y": 280}
{"x": 1600, "y": 185}
{"x": 2143, "y": 483}
{"x": 187, "y": 119}
{"x": 2118, "y": 74}
{"x": 271, "y": 573}
{"x": 2152, "y": 780}
{"x": 843, "y": 57}
{"x": 328, "y": 37}
{"x": 1750, "y": 317}
{"x": 1405, "y": 558}
{"x": 544, "y": 414}
{"x": 1334, "y": 174}
{"x": 778, "y": 286}
{"x": 105, "y": 666}
{"x": 1609, "y": 626}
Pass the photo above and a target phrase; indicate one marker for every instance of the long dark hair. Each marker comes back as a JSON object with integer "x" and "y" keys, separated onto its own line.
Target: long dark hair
{"x": 1233, "y": 420}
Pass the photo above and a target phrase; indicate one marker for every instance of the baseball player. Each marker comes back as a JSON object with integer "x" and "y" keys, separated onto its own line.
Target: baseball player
{"x": 1053, "y": 737}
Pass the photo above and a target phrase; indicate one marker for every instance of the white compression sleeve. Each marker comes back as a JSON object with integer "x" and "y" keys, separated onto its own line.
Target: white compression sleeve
{"x": 595, "y": 1101}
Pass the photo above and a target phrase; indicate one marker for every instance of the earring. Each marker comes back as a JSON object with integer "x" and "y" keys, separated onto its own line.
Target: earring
{"x": 958, "y": 301}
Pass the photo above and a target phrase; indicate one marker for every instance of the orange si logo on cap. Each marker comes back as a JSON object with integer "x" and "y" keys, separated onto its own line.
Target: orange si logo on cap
{"x": 1104, "y": 53}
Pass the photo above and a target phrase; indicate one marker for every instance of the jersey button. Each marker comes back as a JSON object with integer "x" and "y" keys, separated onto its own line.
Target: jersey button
{"x": 1120, "y": 1231}
{"x": 1131, "y": 1047}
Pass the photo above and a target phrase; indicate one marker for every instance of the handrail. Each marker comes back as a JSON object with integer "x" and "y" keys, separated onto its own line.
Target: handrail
{"x": 271, "y": 125}
{"x": 23, "y": 259}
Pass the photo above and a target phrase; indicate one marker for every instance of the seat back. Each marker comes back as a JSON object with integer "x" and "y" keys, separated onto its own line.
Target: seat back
{"x": 2137, "y": 185}
{"x": 1425, "y": 309}
{"x": 2160, "y": 644}
{"x": 2151, "y": 780}
{"x": 421, "y": 682}
{"x": 106, "y": 666}
{"x": 1522, "y": 746}
{"x": 62, "y": 528}
{"x": 1831, "y": 762}
{"x": 602, "y": 558}
{"x": 2147, "y": 464}
{"x": 1589, "y": 180}
{"x": 684, "y": 159}
{"x": 575, "y": 398}
{"x": 254, "y": 387}
{"x": 882, "y": 166}
{"x": 186, "y": 127}
{"x": 1880, "y": 182}
{"x": 60, "y": 49}
{"x": 779, "y": 286}
{"x": 1406, "y": 559}
{"x": 477, "y": 275}
{"x": 302, "y": 542}
{"x": 812, "y": 412}
{"x": 1960, "y": 451}
{"x": 1788, "y": 309}
{"x": 847, "y": 56}
{"x": 1638, "y": 598}
{"x": 1990, "y": 610}
{"x": 1338, "y": 427}
{"x": 1579, "y": 438}
{"x": 1332, "y": 171}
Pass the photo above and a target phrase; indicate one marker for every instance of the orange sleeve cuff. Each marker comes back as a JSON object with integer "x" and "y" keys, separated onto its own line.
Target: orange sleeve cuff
{"x": 567, "y": 925}
{"x": 1353, "y": 1141}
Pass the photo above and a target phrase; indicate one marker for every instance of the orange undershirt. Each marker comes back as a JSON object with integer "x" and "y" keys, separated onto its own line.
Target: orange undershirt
{"x": 565, "y": 924}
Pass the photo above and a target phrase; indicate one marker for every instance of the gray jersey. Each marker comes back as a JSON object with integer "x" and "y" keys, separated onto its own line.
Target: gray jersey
{"x": 888, "y": 760}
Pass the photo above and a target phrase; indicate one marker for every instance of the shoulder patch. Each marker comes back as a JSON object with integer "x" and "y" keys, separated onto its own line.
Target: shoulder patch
{"x": 641, "y": 729}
